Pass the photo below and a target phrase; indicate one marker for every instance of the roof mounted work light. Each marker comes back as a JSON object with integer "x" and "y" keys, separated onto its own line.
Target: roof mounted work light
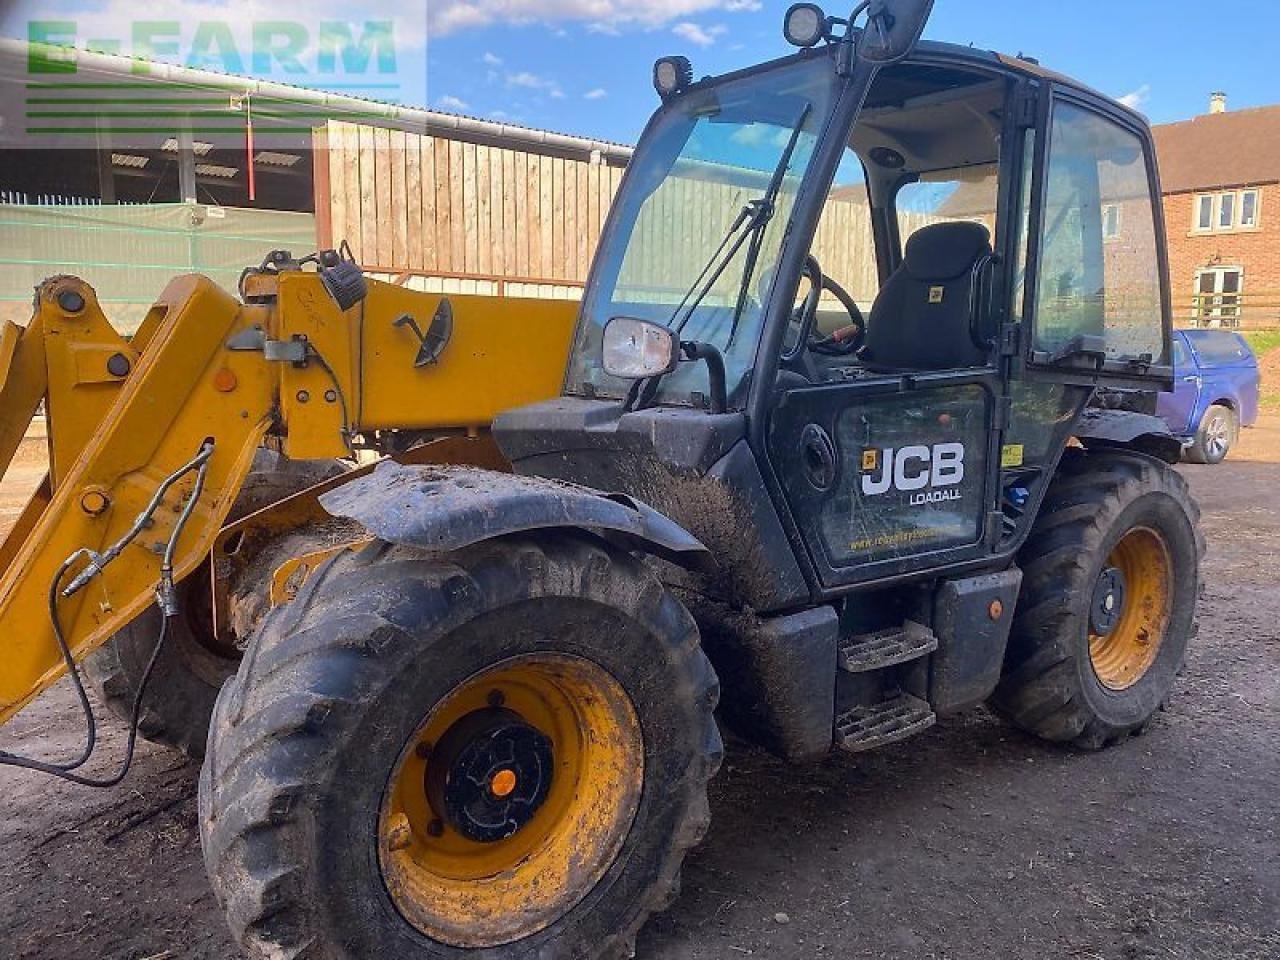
{"x": 804, "y": 25}
{"x": 671, "y": 75}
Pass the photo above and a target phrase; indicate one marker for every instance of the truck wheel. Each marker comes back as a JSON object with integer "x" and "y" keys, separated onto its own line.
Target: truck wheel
{"x": 192, "y": 667}
{"x": 1218, "y": 432}
{"x": 498, "y": 753}
{"x": 1111, "y": 576}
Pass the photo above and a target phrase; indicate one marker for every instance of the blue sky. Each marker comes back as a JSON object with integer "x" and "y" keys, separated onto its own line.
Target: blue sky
{"x": 583, "y": 66}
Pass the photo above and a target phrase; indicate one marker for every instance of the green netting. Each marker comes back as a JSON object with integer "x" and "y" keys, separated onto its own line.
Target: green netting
{"x": 129, "y": 252}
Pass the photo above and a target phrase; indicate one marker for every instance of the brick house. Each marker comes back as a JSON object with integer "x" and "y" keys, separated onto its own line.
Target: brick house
{"x": 1220, "y": 174}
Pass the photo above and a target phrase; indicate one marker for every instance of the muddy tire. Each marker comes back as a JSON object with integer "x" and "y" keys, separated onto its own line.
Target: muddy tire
{"x": 1111, "y": 576}
{"x": 1219, "y": 429}
{"x": 323, "y": 834}
{"x": 190, "y": 672}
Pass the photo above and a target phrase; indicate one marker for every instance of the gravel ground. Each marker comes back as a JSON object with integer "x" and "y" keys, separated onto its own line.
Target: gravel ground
{"x": 971, "y": 841}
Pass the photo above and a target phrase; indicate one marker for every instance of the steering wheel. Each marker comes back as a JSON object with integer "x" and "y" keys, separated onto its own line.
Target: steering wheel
{"x": 845, "y": 341}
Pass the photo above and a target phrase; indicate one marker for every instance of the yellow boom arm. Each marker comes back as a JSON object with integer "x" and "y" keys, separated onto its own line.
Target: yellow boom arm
{"x": 289, "y": 364}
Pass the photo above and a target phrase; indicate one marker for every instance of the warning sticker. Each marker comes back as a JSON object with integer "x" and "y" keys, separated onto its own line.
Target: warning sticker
{"x": 1011, "y": 455}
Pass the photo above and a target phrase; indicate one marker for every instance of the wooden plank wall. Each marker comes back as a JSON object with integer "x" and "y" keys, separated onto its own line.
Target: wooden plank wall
{"x": 465, "y": 212}
{"x": 410, "y": 202}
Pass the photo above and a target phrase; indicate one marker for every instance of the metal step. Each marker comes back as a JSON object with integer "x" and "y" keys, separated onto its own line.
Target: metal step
{"x": 884, "y": 648}
{"x": 865, "y": 728}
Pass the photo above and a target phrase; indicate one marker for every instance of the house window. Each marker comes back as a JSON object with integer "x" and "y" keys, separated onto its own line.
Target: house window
{"x": 1217, "y": 296}
{"x": 1204, "y": 213}
{"x": 1249, "y": 208}
{"x": 1111, "y": 221}
{"x": 1225, "y": 211}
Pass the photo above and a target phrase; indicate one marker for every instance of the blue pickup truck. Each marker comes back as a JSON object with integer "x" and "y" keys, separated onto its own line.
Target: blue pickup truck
{"x": 1215, "y": 392}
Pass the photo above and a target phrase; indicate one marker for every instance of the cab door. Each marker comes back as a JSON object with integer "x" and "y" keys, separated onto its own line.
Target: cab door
{"x": 1095, "y": 296}
{"x": 886, "y": 473}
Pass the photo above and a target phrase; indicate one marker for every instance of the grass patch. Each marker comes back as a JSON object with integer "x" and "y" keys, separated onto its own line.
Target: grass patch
{"x": 1262, "y": 341}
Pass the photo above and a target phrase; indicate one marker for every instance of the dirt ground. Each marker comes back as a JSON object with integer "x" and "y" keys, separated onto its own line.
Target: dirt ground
{"x": 971, "y": 841}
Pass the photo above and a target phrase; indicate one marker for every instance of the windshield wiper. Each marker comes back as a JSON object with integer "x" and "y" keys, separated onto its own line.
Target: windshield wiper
{"x": 755, "y": 215}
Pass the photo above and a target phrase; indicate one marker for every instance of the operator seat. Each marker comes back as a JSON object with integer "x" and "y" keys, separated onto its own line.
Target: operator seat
{"x": 924, "y": 317}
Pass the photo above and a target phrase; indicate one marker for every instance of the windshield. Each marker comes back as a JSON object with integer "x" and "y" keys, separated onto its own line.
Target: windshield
{"x": 688, "y": 248}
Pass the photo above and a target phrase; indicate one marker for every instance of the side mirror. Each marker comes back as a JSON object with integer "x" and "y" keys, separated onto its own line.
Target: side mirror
{"x": 636, "y": 349}
{"x": 893, "y": 29}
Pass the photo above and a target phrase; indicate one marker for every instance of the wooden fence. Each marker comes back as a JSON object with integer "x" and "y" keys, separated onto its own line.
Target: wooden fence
{"x": 1246, "y": 310}
{"x": 446, "y": 208}
{"x": 451, "y": 216}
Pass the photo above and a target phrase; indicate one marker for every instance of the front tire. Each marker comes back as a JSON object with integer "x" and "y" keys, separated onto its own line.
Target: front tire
{"x": 1219, "y": 429}
{"x": 1111, "y": 576}
{"x": 348, "y": 806}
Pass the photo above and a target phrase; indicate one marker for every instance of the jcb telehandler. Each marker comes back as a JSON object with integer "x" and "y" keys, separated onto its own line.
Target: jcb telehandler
{"x": 833, "y": 370}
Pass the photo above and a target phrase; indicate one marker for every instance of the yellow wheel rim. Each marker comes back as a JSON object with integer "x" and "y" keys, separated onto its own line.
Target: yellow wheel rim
{"x": 1127, "y": 643}
{"x": 576, "y": 729}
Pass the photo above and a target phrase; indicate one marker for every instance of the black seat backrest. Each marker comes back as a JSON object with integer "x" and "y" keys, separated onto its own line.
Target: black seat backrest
{"x": 923, "y": 318}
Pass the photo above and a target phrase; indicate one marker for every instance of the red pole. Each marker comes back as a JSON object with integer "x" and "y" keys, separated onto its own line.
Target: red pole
{"x": 248, "y": 142}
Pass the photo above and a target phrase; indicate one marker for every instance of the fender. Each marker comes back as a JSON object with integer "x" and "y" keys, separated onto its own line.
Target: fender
{"x": 1101, "y": 428}
{"x": 451, "y": 507}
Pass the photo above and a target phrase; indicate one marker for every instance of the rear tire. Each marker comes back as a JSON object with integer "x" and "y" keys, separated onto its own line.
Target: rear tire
{"x": 1218, "y": 432}
{"x": 191, "y": 669}
{"x": 310, "y": 739}
{"x": 1079, "y": 669}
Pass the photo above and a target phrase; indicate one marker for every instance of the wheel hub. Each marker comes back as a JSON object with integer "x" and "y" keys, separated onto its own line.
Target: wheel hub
{"x": 1108, "y": 602}
{"x": 492, "y": 772}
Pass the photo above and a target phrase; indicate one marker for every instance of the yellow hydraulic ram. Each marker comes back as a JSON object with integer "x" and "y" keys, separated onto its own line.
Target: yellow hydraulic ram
{"x": 288, "y": 364}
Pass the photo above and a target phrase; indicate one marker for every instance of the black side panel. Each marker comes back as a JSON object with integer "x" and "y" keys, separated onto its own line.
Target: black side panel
{"x": 692, "y": 466}
{"x": 971, "y": 618}
{"x": 778, "y": 678}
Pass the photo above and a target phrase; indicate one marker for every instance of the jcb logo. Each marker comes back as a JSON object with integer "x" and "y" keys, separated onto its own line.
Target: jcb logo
{"x": 934, "y": 469}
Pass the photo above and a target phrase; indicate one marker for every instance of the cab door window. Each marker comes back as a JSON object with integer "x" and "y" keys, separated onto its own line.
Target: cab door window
{"x": 1099, "y": 273}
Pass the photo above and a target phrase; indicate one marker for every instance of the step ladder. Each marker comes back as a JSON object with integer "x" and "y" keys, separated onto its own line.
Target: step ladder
{"x": 868, "y": 727}
{"x": 886, "y": 648}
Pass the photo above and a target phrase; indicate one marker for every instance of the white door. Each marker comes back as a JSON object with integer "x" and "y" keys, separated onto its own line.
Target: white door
{"x": 1218, "y": 292}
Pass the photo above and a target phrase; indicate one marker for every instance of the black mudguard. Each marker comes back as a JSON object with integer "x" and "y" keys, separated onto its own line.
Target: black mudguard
{"x": 1127, "y": 429}
{"x": 448, "y": 508}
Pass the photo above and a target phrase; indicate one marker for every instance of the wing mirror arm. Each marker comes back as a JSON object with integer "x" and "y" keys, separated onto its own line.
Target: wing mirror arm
{"x": 696, "y": 350}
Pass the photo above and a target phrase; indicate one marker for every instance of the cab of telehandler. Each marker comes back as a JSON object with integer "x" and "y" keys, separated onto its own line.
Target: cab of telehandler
{"x": 844, "y": 325}
{"x": 874, "y": 299}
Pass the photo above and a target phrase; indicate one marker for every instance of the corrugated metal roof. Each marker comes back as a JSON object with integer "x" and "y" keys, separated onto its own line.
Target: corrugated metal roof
{"x": 13, "y": 66}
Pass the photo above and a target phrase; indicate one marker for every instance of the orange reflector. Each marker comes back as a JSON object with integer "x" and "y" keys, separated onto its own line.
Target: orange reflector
{"x": 503, "y": 783}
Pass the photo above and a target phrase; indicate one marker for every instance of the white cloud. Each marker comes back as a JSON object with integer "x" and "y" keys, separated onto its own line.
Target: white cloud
{"x": 448, "y": 102}
{"x": 491, "y": 59}
{"x": 695, "y": 34}
{"x": 532, "y": 81}
{"x": 1136, "y": 98}
{"x": 599, "y": 93}
{"x": 450, "y": 16}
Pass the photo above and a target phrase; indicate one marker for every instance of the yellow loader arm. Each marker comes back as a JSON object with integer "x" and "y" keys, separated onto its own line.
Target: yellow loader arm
{"x": 286, "y": 366}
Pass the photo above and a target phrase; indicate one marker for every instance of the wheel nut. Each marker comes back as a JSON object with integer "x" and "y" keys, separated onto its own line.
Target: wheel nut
{"x": 331, "y": 396}
{"x": 399, "y": 832}
{"x": 303, "y": 396}
{"x": 496, "y": 698}
{"x": 94, "y": 502}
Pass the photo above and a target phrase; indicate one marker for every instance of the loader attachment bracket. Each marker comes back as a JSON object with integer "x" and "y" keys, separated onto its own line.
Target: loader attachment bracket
{"x": 448, "y": 508}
